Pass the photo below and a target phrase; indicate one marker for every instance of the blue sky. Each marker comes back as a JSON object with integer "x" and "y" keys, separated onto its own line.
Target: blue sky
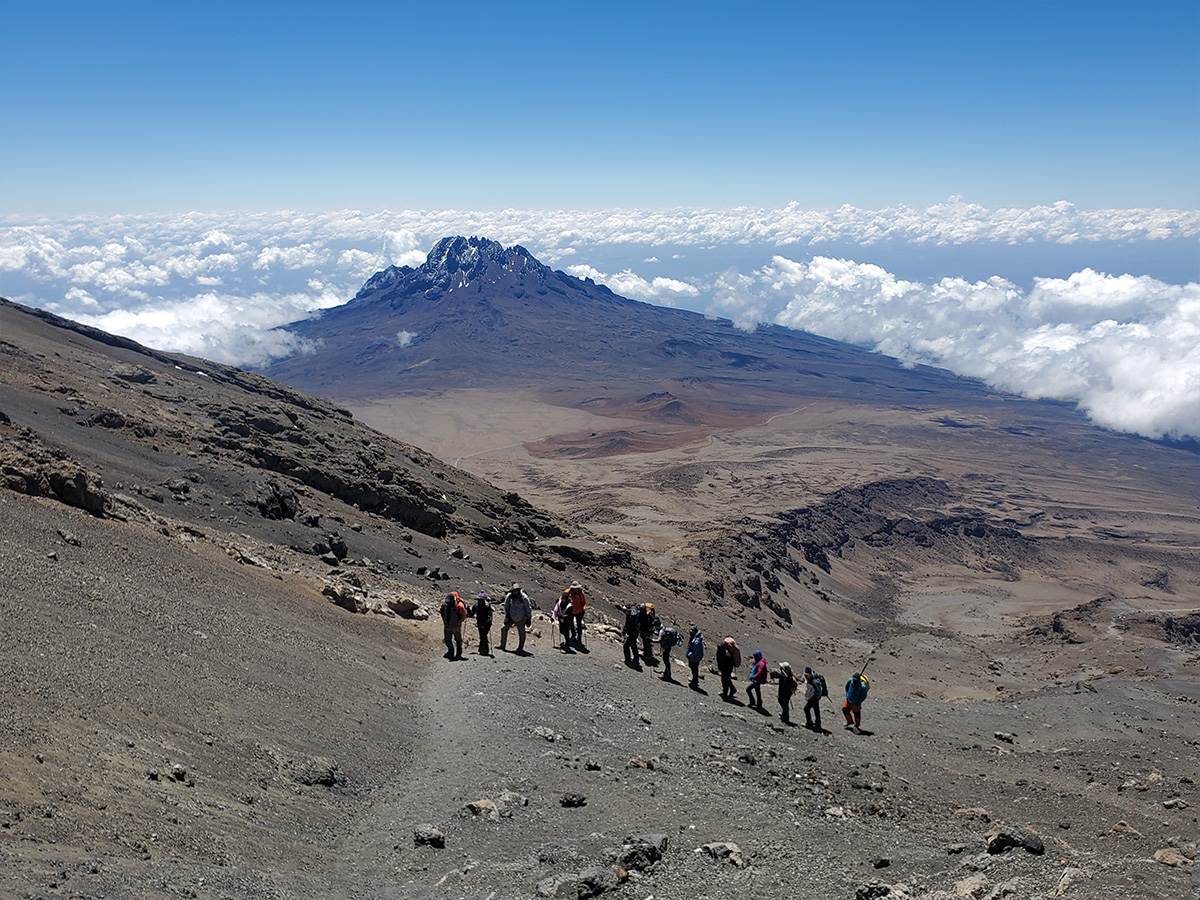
{"x": 132, "y": 107}
{"x": 1010, "y": 190}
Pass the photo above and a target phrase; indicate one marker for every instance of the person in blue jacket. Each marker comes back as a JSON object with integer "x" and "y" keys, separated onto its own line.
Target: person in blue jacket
{"x": 856, "y": 695}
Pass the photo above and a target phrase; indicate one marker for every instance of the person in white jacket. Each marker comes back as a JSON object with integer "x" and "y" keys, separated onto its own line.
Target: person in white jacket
{"x": 518, "y": 611}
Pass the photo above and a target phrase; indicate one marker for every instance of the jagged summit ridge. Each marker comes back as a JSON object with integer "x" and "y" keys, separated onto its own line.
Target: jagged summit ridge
{"x": 455, "y": 262}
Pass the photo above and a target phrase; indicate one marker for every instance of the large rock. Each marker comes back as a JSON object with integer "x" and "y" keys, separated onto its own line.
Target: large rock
{"x": 598, "y": 880}
{"x": 641, "y": 851}
{"x": 1003, "y": 838}
{"x": 564, "y": 885}
{"x": 426, "y": 835}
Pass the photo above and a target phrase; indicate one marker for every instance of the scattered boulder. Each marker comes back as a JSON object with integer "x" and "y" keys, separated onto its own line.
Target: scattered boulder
{"x": 972, "y": 886}
{"x": 277, "y": 501}
{"x": 572, "y": 800}
{"x": 598, "y": 880}
{"x": 726, "y": 851}
{"x": 484, "y": 810}
{"x": 346, "y": 596}
{"x": 426, "y": 835}
{"x": 641, "y": 851}
{"x": 1003, "y": 838}
{"x": 1172, "y": 856}
{"x": 317, "y": 770}
{"x": 564, "y": 886}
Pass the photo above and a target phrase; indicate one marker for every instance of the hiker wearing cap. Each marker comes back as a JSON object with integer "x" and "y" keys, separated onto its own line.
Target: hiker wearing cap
{"x": 454, "y": 613}
{"x": 578, "y": 608}
{"x": 481, "y": 611}
{"x": 856, "y": 695}
{"x": 729, "y": 657}
{"x": 518, "y": 611}
{"x": 814, "y": 690}
{"x": 787, "y": 687}
{"x": 758, "y": 677}
{"x": 695, "y": 653}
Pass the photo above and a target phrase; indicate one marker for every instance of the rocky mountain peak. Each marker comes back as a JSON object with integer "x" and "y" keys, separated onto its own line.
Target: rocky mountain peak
{"x": 455, "y": 262}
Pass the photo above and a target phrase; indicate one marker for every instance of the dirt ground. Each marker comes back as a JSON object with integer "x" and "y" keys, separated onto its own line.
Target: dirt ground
{"x": 190, "y": 707}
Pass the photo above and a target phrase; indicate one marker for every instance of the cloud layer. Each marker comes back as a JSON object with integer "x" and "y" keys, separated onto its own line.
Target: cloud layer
{"x": 1126, "y": 347}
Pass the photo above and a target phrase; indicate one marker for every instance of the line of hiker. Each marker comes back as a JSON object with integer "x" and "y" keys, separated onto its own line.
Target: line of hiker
{"x": 641, "y": 631}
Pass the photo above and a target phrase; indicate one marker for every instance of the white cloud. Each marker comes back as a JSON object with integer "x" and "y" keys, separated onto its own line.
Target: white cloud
{"x": 1126, "y": 349}
{"x": 404, "y": 338}
{"x": 628, "y": 284}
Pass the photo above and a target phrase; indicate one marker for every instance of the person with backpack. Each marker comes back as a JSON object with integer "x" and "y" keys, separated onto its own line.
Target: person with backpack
{"x": 856, "y": 695}
{"x": 482, "y": 613}
{"x": 787, "y": 688}
{"x": 578, "y": 609}
{"x": 668, "y": 639}
{"x": 695, "y": 653}
{"x": 631, "y": 630}
{"x": 454, "y": 613}
{"x": 758, "y": 677}
{"x": 518, "y": 611}
{"x": 647, "y": 624}
{"x": 729, "y": 657}
{"x": 561, "y": 613}
{"x": 814, "y": 690}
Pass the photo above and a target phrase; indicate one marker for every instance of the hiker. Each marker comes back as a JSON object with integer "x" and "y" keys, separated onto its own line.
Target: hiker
{"x": 578, "y": 608}
{"x": 729, "y": 657}
{"x": 632, "y": 631}
{"x": 856, "y": 695}
{"x": 482, "y": 613}
{"x": 518, "y": 611}
{"x": 561, "y": 612}
{"x": 787, "y": 688}
{"x": 668, "y": 639}
{"x": 758, "y": 677}
{"x": 647, "y": 624}
{"x": 454, "y": 613}
{"x": 814, "y": 690}
{"x": 695, "y": 653}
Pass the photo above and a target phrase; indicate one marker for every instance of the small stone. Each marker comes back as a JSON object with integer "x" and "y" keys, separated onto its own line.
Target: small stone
{"x": 1124, "y": 827}
{"x": 881, "y": 862}
{"x": 563, "y": 886}
{"x": 1175, "y": 803}
{"x": 571, "y": 801}
{"x": 483, "y": 809}
{"x": 726, "y": 851}
{"x": 1004, "y": 736}
{"x": 973, "y": 886}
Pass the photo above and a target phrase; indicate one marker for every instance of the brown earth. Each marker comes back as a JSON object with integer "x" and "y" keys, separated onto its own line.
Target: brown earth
{"x": 190, "y": 708}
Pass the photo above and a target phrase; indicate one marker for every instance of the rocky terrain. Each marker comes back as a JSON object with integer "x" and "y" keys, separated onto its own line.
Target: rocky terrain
{"x": 222, "y": 680}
